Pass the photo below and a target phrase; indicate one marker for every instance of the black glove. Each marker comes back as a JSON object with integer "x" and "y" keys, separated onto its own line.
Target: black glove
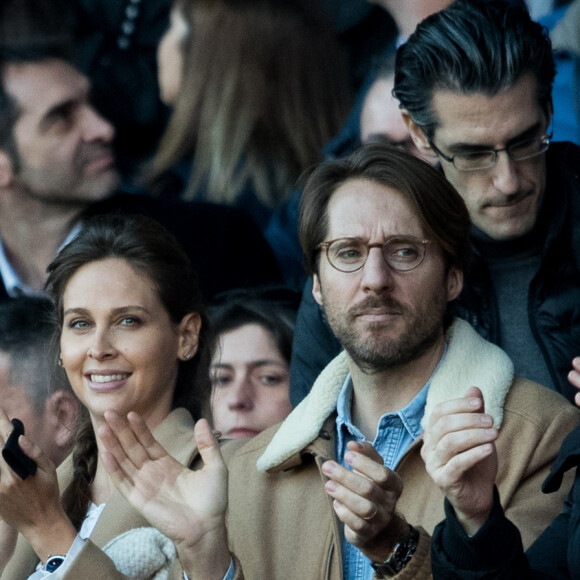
{"x": 18, "y": 461}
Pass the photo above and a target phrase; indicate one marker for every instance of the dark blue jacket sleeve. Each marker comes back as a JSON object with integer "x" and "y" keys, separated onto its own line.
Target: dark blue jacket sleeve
{"x": 496, "y": 552}
{"x": 313, "y": 347}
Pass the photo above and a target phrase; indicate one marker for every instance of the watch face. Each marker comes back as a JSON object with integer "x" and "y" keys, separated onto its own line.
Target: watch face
{"x": 53, "y": 563}
{"x": 399, "y": 558}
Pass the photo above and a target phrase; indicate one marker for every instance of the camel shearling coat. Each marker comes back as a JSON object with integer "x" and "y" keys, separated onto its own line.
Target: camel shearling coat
{"x": 281, "y": 522}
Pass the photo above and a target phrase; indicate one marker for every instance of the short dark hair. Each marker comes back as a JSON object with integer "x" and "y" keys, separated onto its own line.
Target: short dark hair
{"x": 30, "y": 31}
{"x": 151, "y": 249}
{"x": 272, "y": 308}
{"x": 439, "y": 207}
{"x": 473, "y": 46}
{"x": 26, "y": 332}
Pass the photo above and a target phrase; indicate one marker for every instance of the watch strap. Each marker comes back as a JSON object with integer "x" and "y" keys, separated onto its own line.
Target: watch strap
{"x": 399, "y": 557}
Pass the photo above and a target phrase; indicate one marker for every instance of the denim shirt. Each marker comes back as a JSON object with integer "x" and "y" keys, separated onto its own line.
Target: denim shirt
{"x": 395, "y": 434}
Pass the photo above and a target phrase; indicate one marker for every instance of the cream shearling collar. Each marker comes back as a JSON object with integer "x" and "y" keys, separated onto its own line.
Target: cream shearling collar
{"x": 470, "y": 361}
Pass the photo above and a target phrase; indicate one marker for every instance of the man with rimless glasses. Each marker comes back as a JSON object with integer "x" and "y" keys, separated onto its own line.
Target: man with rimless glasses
{"x": 475, "y": 86}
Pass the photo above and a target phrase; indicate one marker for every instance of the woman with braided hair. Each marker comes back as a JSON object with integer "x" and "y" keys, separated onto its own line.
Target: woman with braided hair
{"x": 132, "y": 339}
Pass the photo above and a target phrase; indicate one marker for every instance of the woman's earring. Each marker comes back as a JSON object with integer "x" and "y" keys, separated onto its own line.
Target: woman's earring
{"x": 59, "y": 361}
{"x": 187, "y": 355}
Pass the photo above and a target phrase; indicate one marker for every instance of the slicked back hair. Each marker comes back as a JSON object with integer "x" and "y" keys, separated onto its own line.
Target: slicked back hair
{"x": 472, "y": 47}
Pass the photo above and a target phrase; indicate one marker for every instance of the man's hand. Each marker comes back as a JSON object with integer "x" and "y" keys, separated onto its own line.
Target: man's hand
{"x": 8, "y": 536}
{"x": 365, "y": 500}
{"x": 32, "y": 506}
{"x": 574, "y": 378}
{"x": 460, "y": 456}
{"x": 187, "y": 506}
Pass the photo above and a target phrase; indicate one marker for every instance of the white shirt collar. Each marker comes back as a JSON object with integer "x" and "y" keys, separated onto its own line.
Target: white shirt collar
{"x": 12, "y": 282}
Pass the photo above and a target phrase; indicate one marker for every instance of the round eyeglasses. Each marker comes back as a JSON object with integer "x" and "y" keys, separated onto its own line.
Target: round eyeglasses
{"x": 486, "y": 158}
{"x": 401, "y": 253}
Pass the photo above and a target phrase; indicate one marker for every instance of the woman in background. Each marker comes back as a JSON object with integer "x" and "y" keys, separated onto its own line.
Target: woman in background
{"x": 250, "y": 366}
{"x": 257, "y": 88}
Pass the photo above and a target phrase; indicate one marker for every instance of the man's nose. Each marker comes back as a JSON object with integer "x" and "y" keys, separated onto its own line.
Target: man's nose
{"x": 96, "y": 128}
{"x": 505, "y": 174}
{"x": 376, "y": 273}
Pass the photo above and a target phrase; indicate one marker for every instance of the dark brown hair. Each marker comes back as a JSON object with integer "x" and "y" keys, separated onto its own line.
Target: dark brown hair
{"x": 31, "y": 31}
{"x": 439, "y": 207}
{"x": 472, "y": 47}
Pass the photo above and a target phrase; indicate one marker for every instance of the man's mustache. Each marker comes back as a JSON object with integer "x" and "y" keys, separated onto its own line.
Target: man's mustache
{"x": 386, "y": 303}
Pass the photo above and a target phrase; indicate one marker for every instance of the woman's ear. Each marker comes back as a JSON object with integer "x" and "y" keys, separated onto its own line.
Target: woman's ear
{"x": 189, "y": 329}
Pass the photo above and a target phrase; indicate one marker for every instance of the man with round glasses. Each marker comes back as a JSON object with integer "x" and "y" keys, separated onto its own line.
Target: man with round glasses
{"x": 401, "y": 253}
{"x": 340, "y": 490}
{"x": 474, "y": 82}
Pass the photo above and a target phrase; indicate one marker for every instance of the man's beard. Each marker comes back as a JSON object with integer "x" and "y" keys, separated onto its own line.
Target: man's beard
{"x": 374, "y": 352}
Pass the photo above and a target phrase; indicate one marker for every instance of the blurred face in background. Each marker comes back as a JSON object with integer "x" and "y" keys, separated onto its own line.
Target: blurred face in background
{"x": 64, "y": 145}
{"x": 381, "y": 120}
{"x": 250, "y": 380}
{"x": 170, "y": 57}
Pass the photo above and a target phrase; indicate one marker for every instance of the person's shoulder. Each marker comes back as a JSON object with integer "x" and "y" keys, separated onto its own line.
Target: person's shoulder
{"x": 246, "y": 448}
{"x": 540, "y": 405}
{"x": 125, "y": 202}
{"x": 564, "y": 153}
{"x": 187, "y": 220}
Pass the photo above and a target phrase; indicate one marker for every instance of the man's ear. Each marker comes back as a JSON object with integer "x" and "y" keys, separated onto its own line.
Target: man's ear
{"x": 63, "y": 407}
{"x": 454, "y": 283}
{"x": 6, "y": 169}
{"x": 417, "y": 135}
{"x": 316, "y": 291}
{"x": 189, "y": 329}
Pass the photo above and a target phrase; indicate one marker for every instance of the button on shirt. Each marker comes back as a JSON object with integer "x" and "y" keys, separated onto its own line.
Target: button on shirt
{"x": 395, "y": 434}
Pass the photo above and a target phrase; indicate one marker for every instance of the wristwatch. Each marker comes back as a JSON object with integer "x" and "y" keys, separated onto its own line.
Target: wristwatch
{"x": 399, "y": 557}
{"x": 53, "y": 563}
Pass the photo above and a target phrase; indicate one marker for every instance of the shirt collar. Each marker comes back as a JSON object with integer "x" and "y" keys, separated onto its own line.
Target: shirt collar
{"x": 411, "y": 415}
{"x": 12, "y": 282}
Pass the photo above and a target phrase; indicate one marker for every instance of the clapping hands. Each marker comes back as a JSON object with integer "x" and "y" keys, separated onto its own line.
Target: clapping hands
{"x": 187, "y": 506}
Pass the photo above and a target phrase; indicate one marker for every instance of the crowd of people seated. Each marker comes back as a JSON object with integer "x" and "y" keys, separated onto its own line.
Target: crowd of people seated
{"x": 289, "y": 289}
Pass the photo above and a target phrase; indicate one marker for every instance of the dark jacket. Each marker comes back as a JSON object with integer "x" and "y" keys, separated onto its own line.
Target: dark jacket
{"x": 116, "y": 47}
{"x": 554, "y": 296}
{"x": 496, "y": 552}
{"x": 224, "y": 245}
{"x": 226, "y": 248}
{"x": 553, "y": 301}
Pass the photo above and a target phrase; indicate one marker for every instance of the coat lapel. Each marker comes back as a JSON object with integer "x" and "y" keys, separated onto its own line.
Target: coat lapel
{"x": 470, "y": 361}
